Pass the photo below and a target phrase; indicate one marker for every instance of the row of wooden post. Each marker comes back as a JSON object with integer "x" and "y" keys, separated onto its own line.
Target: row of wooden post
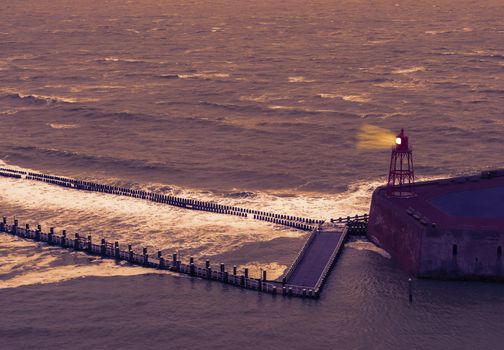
{"x": 171, "y": 200}
{"x": 109, "y": 250}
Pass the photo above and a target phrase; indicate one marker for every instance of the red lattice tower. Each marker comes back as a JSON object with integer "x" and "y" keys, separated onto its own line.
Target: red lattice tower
{"x": 401, "y": 173}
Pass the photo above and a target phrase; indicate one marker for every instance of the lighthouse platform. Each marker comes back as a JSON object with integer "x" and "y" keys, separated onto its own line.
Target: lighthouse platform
{"x": 451, "y": 229}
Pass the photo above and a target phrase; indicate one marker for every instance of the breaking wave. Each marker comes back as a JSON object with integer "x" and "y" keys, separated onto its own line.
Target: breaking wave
{"x": 367, "y": 246}
{"x": 63, "y": 126}
{"x": 409, "y": 70}
{"x": 44, "y": 99}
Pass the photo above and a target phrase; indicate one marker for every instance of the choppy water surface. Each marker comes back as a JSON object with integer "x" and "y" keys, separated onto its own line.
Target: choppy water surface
{"x": 255, "y": 104}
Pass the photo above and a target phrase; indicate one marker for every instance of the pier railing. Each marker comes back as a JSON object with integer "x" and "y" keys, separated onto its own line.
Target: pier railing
{"x": 357, "y": 225}
{"x": 299, "y": 257}
{"x": 331, "y": 261}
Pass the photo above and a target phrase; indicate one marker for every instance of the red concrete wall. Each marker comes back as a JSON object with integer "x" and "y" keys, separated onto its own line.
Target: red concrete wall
{"x": 477, "y": 254}
{"x": 394, "y": 230}
{"x": 426, "y": 251}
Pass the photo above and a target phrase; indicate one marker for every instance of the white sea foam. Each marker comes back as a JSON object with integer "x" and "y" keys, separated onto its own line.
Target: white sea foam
{"x": 274, "y": 270}
{"x": 204, "y": 75}
{"x": 366, "y": 245}
{"x": 329, "y": 95}
{"x": 299, "y": 79}
{"x": 409, "y": 70}
{"x": 120, "y": 59}
{"x": 29, "y": 268}
{"x": 46, "y": 98}
{"x": 63, "y": 126}
{"x": 9, "y": 112}
{"x": 378, "y": 42}
{"x": 263, "y": 98}
{"x": 162, "y": 226}
{"x": 358, "y": 98}
{"x": 301, "y": 109}
{"x": 406, "y": 85}
{"x": 27, "y": 262}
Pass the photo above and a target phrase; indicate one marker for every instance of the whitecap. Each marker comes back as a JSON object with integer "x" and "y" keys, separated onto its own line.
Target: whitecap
{"x": 120, "y": 59}
{"x": 327, "y": 95}
{"x": 356, "y": 98}
{"x": 410, "y": 85}
{"x": 378, "y": 42}
{"x": 362, "y": 98}
{"x": 204, "y": 75}
{"x": 299, "y": 79}
{"x": 267, "y": 97}
{"x": 368, "y": 246}
{"x": 276, "y": 107}
{"x": 63, "y": 126}
{"x": 28, "y": 268}
{"x": 9, "y": 112}
{"x": 409, "y": 70}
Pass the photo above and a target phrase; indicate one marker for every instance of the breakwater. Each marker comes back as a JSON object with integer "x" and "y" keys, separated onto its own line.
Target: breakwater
{"x": 300, "y": 223}
{"x": 304, "y": 278}
{"x": 117, "y": 251}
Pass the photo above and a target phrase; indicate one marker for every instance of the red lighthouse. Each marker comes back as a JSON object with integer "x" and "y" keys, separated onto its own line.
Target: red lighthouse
{"x": 401, "y": 173}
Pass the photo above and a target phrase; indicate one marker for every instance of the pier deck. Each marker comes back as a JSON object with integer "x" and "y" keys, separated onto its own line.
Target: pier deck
{"x": 317, "y": 257}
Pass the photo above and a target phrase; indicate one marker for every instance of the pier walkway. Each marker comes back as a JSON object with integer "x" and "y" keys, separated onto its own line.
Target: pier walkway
{"x": 317, "y": 257}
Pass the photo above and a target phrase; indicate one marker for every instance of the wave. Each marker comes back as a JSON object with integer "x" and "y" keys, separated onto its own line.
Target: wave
{"x": 234, "y": 107}
{"x": 368, "y": 246}
{"x": 449, "y": 31}
{"x": 492, "y": 91}
{"x": 9, "y": 112}
{"x": 202, "y": 75}
{"x": 408, "y": 85}
{"x": 44, "y": 99}
{"x": 205, "y": 76}
{"x": 89, "y": 161}
{"x": 300, "y": 79}
{"x": 63, "y": 126}
{"x": 277, "y": 108}
{"x": 169, "y": 76}
{"x": 302, "y": 110}
{"x": 361, "y": 98}
{"x": 241, "y": 194}
{"x": 263, "y": 98}
{"x": 409, "y": 70}
{"x": 120, "y": 59}
{"x": 26, "y": 263}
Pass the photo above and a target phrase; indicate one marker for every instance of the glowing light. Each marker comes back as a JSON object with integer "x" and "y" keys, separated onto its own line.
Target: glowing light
{"x": 398, "y": 140}
{"x": 374, "y": 137}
